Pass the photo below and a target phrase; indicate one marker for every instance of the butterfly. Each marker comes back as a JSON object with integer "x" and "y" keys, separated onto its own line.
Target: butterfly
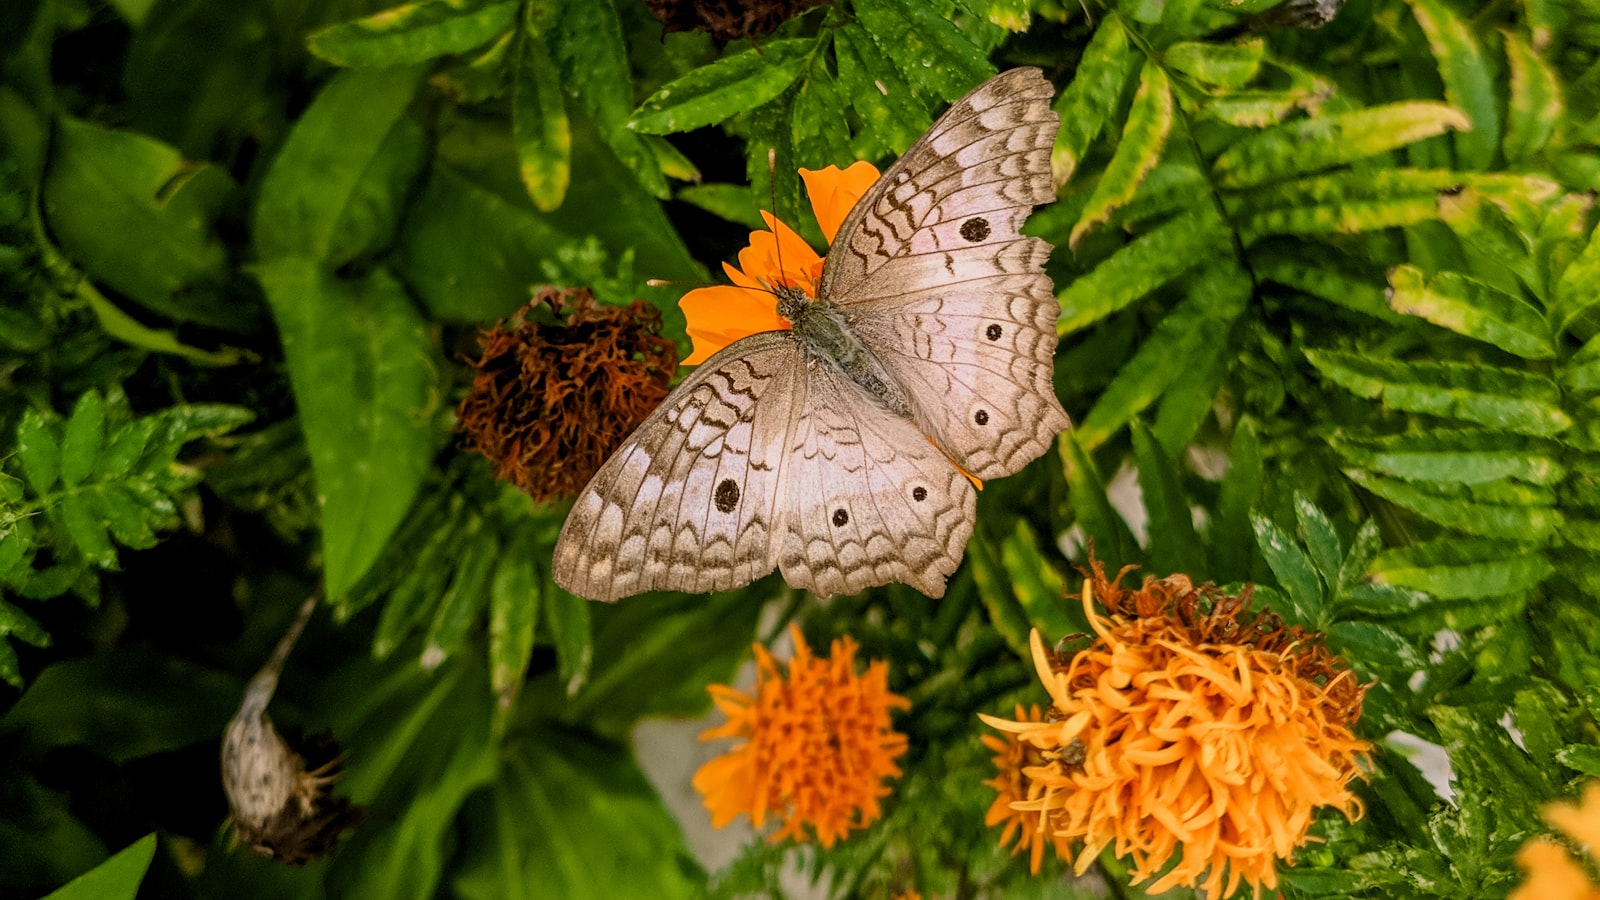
{"x": 845, "y": 450}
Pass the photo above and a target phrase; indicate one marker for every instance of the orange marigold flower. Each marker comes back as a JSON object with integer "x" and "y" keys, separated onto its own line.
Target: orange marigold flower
{"x": 718, "y": 316}
{"x": 816, "y": 745}
{"x": 560, "y": 384}
{"x": 1189, "y": 730}
{"x": 1552, "y": 872}
{"x": 1011, "y": 757}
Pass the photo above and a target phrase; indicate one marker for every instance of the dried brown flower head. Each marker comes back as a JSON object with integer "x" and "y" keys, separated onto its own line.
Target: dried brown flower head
{"x": 281, "y": 803}
{"x": 560, "y": 384}
{"x": 727, "y": 20}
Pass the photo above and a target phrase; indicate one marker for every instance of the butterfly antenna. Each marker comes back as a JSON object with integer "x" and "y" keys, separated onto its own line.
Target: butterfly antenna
{"x": 772, "y": 198}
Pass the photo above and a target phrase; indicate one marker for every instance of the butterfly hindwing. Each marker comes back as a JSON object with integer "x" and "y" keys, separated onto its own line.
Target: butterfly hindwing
{"x": 689, "y": 501}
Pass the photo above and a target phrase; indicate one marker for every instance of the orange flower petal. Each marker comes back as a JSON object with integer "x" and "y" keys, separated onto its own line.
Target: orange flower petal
{"x": 834, "y": 192}
{"x": 720, "y": 315}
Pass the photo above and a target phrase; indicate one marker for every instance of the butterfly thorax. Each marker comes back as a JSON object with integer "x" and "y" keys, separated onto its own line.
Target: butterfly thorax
{"x": 824, "y": 331}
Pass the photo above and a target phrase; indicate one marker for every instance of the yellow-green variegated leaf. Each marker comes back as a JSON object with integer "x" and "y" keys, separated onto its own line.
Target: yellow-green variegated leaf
{"x": 1315, "y": 144}
{"x": 1473, "y": 309}
{"x": 1144, "y": 136}
{"x": 1092, "y": 98}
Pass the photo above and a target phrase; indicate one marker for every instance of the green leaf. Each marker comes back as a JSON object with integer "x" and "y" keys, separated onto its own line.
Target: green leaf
{"x": 1458, "y": 568}
{"x": 1342, "y": 203}
{"x": 1507, "y": 399}
{"x": 1292, "y": 568}
{"x": 1468, "y": 76}
{"x": 1490, "y": 229}
{"x": 731, "y": 85}
{"x": 82, "y": 438}
{"x": 1320, "y": 537}
{"x": 1327, "y": 278}
{"x": 117, "y": 878}
{"x": 1006, "y": 615}
{"x": 1217, "y": 296}
{"x": 892, "y": 115}
{"x": 126, "y": 446}
{"x": 927, "y": 47}
{"x": 594, "y": 64}
{"x": 820, "y": 133}
{"x": 84, "y": 525}
{"x": 458, "y": 608}
{"x": 1221, "y": 65}
{"x": 1323, "y": 142}
{"x": 1144, "y": 136}
{"x": 39, "y": 450}
{"x": 363, "y": 372}
{"x": 1462, "y": 456}
{"x": 419, "y": 590}
{"x": 1231, "y": 535}
{"x": 1471, "y": 308}
{"x": 137, "y": 216}
{"x": 1144, "y": 264}
{"x": 412, "y": 33}
{"x": 566, "y": 617}
{"x": 1101, "y": 523}
{"x": 1363, "y": 550}
{"x": 1534, "y": 104}
{"x": 1501, "y": 509}
{"x": 539, "y": 122}
{"x": 514, "y": 601}
{"x": 1174, "y": 546}
{"x": 129, "y": 520}
{"x": 727, "y": 201}
{"x": 1036, "y": 584}
{"x": 1578, "y": 289}
{"x": 1094, "y": 95}
{"x": 337, "y": 186}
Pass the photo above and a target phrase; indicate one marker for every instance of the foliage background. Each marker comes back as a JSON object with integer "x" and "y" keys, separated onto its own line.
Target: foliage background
{"x": 1328, "y": 303}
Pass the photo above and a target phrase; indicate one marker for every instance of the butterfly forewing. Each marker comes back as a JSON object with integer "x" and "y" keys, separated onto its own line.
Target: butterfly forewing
{"x": 939, "y": 283}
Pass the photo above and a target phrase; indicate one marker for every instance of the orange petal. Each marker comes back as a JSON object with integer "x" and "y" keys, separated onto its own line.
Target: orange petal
{"x": 834, "y": 192}
{"x": 718, "y": 316}
{"x": 780, "y": 256}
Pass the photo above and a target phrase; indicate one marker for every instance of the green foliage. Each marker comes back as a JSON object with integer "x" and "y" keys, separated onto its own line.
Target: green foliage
{"x": 1330, "y": 326}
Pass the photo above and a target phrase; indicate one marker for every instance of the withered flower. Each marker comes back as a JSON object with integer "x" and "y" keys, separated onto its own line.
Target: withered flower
{"x": 560, "y": 384}
{"x": 727, "y": 20}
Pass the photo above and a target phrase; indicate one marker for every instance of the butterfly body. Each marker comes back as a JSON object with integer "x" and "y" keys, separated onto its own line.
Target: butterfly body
{"x": 842, "y": 451}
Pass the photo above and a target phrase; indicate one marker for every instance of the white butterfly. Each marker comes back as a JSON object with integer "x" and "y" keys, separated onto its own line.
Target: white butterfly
{"x": 838, "y": 451}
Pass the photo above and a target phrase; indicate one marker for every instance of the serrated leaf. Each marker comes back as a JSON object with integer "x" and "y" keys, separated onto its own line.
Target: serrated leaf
{"x": 727, "y": 87}
{"x": 1255, "y": 109}
{"x": 82, "y": 437}
{"x": 566, "y": 617}
{"x": 1292, "y": 568}
{"x": 87, "y": 530}
{"x": 1363, "y": 550}
{"x": 126, "y": 446}
{"x": 1144, "y": 264}
{"x": 1457, "y": 568}
{"x": 514, "y": 601}
{"x": 1323, "y": 142}
{"x": 1468, "y": 80}
{"x": 1144, "y": 136}
{"x": 1174, "y": 546}
{"x": 1222, "y": 65}
{"x": 335, "y": 189}
{"x": 1582, "y": 371}
{"x": 39, "y": 450}
{"x": 890, "y": 111}
{"x": 362, "y": 369}
{"x": 1462, "y": 456}
{"x": 1093, "y": 96}
{"x": 412, "y": 33}
{"x": 1508, "y": 399}
{"x": 1493, "y": 509}
{"x": 539, "y": 124}
{"x": 820, "y": 134}
{"x": 1341, "y": 203}
{"x": 932, "y": 54}
{"x": 1216, "y": 297}
{"x": 124, "y": 515}
{"x": 117, "y": 878}
{"x": 594, "y": 64}
{"x": 1320, "y": 537}
{"x": 1494, "y": 238}
{"x": 1471, "y": 308}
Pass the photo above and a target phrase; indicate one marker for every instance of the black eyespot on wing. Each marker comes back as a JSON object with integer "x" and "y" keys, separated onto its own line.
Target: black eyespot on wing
{"x": 981, "y": 417}
{"x": 840, "y": 518}
{"x": 726, "y": 495}
{"x": 919, "y": 493}
{"x": 993, "y": 332}
{"x": 975, "y": 229}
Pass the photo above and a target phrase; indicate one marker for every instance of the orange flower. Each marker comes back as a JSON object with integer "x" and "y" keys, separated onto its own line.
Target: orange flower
{"x": 1011, "y": 757}
{"x": 816, "y": 745}
{"x": 720, "y": 315}
{"x": 1552, "y": 872}
{"x": 1209, "y": 736}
